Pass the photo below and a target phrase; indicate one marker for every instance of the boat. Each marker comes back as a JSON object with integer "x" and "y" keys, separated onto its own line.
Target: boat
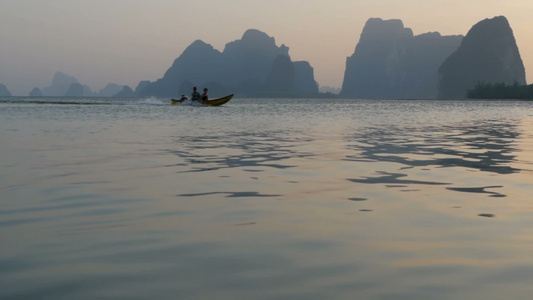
{"x": 214, "y": 102}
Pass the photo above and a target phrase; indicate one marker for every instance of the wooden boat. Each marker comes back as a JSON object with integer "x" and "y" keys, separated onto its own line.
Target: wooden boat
{"x": 214, "y": 102}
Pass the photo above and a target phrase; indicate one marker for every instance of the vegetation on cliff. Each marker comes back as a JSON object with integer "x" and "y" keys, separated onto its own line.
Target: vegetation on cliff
{"x": 501, "y": 91}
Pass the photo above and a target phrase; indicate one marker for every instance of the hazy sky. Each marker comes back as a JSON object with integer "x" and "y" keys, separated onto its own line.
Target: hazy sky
{"x": 126, "y": 41}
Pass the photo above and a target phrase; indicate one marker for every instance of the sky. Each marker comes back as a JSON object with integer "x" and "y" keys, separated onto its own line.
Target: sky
{"x": 127, "y": 41}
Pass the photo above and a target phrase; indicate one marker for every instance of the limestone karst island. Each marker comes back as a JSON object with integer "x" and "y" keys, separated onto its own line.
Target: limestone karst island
{"x": 389, "y": 62}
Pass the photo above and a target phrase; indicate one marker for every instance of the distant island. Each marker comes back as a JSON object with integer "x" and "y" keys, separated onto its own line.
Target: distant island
{"x": 63, "y": 85}
{"x": 253, "y": 66}
{"x": 389, "y": 62}
{"x": 4, "y": 92}
{"x": 487, "y": 54}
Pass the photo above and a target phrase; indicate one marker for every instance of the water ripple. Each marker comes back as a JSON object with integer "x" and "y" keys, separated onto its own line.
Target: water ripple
{"x": 231, "y": 194}
{"x": 488, "y": 147}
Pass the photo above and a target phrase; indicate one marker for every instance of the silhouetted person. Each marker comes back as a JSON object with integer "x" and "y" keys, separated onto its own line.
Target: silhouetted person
{"x": 195, "y": 95}
{"x": 204, "y": 96}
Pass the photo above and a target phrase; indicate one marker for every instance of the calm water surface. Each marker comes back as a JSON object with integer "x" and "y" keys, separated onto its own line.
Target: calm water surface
{"x": 265, "y": 199}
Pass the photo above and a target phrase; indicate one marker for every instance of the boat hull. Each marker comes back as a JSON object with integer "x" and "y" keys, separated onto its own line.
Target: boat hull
{"x": 214, "y": 102}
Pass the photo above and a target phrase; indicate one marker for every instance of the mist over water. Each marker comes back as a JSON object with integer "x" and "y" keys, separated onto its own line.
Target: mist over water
{"x": 265, "y": 199}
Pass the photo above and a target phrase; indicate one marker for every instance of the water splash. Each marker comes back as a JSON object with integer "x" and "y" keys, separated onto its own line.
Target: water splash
{"x": 192, "y": 103}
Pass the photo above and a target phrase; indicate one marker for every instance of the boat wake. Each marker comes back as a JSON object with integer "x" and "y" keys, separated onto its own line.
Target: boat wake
{"x": 82, "y": 101}
{"x": 150, "y": 101}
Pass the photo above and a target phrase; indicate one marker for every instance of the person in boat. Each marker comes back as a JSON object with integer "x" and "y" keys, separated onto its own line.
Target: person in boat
{"x": 195, "y": 95}
{"x": 184, "y": 98}
{"x": 204, "y": 96}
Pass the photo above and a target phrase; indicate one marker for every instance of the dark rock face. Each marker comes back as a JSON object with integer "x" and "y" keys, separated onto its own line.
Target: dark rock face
{"x": 36, "y": 92}
{"x": 281, "y": 78}
{"x": 390, "y": 62}
{"x": 487, "y": 54}
{"x": 87, "y": 91}
{"x": 366, "y": 70}
{"x": 4, "y": 92}
{"x": 304, "y": 76}
{"x": 141, "y": 86}
{"x": 110, "y": 90}
{"x": 243, "y": 67}
{"x": 60, "y": 85}
{"x": 413, "y": 65}
{"x": 186, "y": 88}
{"x": 250, "y": 59}
{"x": 75, "y": 90}
{"x": 64, "y": 85}
{"x": 197, "y": 64}
{"x": 126, "y": 92}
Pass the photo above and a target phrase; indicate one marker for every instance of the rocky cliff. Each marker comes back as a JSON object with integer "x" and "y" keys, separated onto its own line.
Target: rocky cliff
{"x": 126, "y": 92}
{"x": 109, "y": 90}
{"x": 488, "y": 54}
{"x": 390, "y": 62}
{"x": 281, "y": 78}
{"x": 366, "y": 70}
{"x": 305, "y": 78}
{"x": 141, "y": 86}
{"x": 249, "y": 61}
{"x": 413, "y": 65}
{"x": 63, "y": 85}
{"x": 75, "y": 90}
{"x": 4, "y": 92}
{"x": 243, "y": 67}
{"x": 198, "y": 64}
{"x": 60, "y": 85}
{"x": 36, "y": 92}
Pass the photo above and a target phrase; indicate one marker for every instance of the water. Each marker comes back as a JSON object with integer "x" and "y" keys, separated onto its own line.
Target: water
{"x": 265, "y": 199}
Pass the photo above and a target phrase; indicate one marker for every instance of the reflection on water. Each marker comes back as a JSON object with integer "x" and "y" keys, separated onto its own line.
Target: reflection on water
{"x": 230, "y": 194}
{"x": 394, "y": 178}
{"x": 266, "y": 199}
{"x": 487, "y": 147}
{"x": 480, "y": 190}
{"x": 255, "y": 150}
